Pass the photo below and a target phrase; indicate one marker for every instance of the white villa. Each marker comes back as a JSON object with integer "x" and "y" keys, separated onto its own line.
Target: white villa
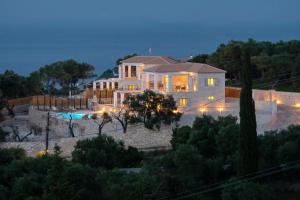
{"x": 193, "y": 85}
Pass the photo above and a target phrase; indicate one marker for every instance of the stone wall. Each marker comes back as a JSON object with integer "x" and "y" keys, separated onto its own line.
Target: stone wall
{"x": 137, "y": 136}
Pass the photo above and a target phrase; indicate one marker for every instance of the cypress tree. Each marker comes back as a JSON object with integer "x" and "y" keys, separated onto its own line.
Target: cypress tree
{"x": 248, "y": 153}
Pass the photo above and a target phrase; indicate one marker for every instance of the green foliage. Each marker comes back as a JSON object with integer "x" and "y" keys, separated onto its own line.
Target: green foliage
{"x": 180, "y": 136}
{"x": 276, "y": 147}
{"x": 270, "y": 61}
{"x": 166, "y": 174}
{"x": 13, "y": 85}
{"x": 101, "y": 121}
{"x": 3, "y": 135}
{"x": 153, "y": 109}
{"x": 9, "y": 155}
{"x": 73, "y": 182}
{"x": 65, "y": 73}
{"x": 247, "y": 191}
{"x": 112, "y": 73}
{"x": 120, "y": 185}
{"x": 109, "y": 73}
{"x": 248, "y": 153}
{"x": 201, "y": 58}
{"x": 118, "y": 62}
{"x": 104, "y": 152}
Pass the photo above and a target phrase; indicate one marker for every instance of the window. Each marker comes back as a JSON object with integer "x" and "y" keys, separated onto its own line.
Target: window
{"x": 133, "y": 71}
{"x": 151, "y": 82}
{"x": 182, "y": 101}
{"x": 180, "y": 83}
{"x": 211, "y": 82}
{"x": 116, "y": 85}
{"x": 126, "y": 71}
{"x": 210, "y": 98}
{"x": 131, "y": 87}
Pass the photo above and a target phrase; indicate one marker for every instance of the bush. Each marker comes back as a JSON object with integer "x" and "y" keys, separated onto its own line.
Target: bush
{"x": 278, "y": 147}
{"x": 9, "y": 155}
{"x": 180, "y": 136}
{"x": 247, "y": 191}
{"x": 103, "y": 151}
{"x": 3, "y": 134}
{"x": 120, "y": 185}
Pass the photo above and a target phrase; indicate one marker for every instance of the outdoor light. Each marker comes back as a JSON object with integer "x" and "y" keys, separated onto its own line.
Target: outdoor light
{"x": 298, "y": 105}
{"x": 278, "y": 102}
{"x": 221, "y": 109}
{"x": 202, "y": 110}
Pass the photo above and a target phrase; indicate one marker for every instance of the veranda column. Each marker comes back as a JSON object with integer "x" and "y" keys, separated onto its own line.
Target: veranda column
{"x": 115, "y": 99}
{"x": 123, "y": 70}
{"x": 155, "y": 82}
{"x": 107, "y": 85}
{"x": 120, "y": 71}
{"x": 169, "y": 90}
{"x": 138, "y": 72}
{"x": 147, "y": 82}
{"x": 129, "y": 71}
{"x": 190, "y": 83}
{"x": 94, "y": 91}
{"x": 101, "y": 85}
{"x": 122, "y": 98}
{"x": 112, "y": 85}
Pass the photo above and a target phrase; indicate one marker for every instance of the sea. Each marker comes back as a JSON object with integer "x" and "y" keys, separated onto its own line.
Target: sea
{"x": 27, "y": 47}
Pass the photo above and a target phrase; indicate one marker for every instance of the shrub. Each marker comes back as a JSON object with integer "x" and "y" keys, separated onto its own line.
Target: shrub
{"x": 9, "y": 155}
{"x": 103, "y": 151}
{"x": 247, "y": 191}
{"x": 180, "y": 136}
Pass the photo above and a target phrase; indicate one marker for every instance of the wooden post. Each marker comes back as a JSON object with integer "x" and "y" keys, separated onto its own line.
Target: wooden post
{"x": 86, "y": 103}
{"x": 80, "y": 103}
{"x": 44, "y": 102}
{"x": 47, "y": 133}
{"x": 50, "y": 102}
{"x": 37, "y": 102}
{"x": 100, "y": 96}
{"x": 111, "y": 97}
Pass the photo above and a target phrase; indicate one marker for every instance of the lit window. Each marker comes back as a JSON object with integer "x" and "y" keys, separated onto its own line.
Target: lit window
{"x": 182, "y": 101}
{"x": 211, "y": 82}
{"x": 210, "y": 98}
{"x": 131, "y": 87}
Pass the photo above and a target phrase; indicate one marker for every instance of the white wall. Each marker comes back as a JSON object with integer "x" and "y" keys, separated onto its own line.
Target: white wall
{"x": 199, "y": 99}
{"x": 286, "y": 98}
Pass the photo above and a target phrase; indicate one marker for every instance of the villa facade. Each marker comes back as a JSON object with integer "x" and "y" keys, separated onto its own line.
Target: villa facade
{"x": 193, "y": 85}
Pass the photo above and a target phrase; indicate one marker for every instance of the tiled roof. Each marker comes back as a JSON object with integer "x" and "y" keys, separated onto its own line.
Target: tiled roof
{"x": 155, "y": 60}
{"x": 185, "y": 67}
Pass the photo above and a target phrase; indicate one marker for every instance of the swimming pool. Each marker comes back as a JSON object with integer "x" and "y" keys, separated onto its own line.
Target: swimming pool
{"x": 66, "y": 115}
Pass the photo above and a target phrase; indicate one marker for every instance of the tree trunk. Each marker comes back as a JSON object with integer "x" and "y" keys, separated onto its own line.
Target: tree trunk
{"x": 100, "y": 130}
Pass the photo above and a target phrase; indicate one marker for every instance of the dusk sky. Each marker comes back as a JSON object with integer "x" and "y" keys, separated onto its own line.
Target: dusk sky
{"x": 120, "y": 11}
{"x": 37, "y": 32}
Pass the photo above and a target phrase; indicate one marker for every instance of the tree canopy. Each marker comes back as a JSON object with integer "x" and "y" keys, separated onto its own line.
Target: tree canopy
{"x": 153, "y": 108}
{"x": 270, "y": 61}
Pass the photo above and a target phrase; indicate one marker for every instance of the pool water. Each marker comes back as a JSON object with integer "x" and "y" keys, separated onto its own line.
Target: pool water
{"x": 65, "y": 115}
